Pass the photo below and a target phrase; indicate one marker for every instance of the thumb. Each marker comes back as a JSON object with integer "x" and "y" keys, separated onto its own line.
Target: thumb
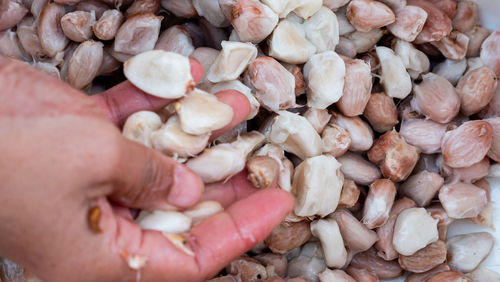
{"x": 145, "y": 178}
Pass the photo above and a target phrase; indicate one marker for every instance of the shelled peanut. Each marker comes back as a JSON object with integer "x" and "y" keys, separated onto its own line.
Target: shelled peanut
{"x": 390, "y": 144}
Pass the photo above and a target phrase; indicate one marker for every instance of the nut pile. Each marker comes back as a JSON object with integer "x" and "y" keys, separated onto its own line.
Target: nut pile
{"x": 382, "y": 118}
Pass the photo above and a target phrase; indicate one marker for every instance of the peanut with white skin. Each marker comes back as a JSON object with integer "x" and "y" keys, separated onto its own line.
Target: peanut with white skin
{"x": 242, "y": 88}
{"x": 466, "y": 252}
{"x": 172, "y": 141}
{"x": 164, "y": 221}
{"x": 355, "y": 167}
{"x": 385, "y": 232}
{"x": 140, "y": 125}
{"x": 483, "y": 274}
{"x": 10, "y": 45}
{"x": 414, "y": 229}
{"x": 476, "y": 37}
{"x": 308, "y": 8}
{"x": 252, "y": 20}
{"x": 476, "y": 89}
{"x": 200, "y": 113}
{"x": 28, "y": 37}
{"x": 231, "y": 61}
{"x": 85, "y": 63}
{"x": 14, "y": 12}
{"x": 437, "y": 25}
{"x": 378, "y": 203}
{"x": 175, "y": 39}
{"x": 490, "y": 52}
{"x": 396, "y": 80}
{"x": 422, "y": 187}
{"x": 370, "y": 261}
{"x": 359, "y": 131}
{"x": 413, "y": 59}
{"x": 225, "y": 160}
{"x": 274, "y": 85}
{"x": 366, "y": 15}
{"x": 143, "y": 6}
{"x": 426, "y": 135}
{"x": 436, "y": 98}
{"x": 357, "y": 88}
{"x": 324, "y": 74}
{"x": 329, "y": 275}
{"x": 451, "y": 70}
{"x": 346, "y": 47}
{"x": 77, "y": 25}
{"x": 184, "y": 9}
{"x": 50, "y": 33}
{"x": 462, "y": 200}
{"x": 357, "y": 237}
{"x": 262, "y": 171}
{"x": 336, "y": 140}
{"x": 468, "y": 144}
{"x": 107, "y": 26}
{"x": 364, "y": 41}
{"x": 345, "y": 26}
{"x": 308, "y": 264}
{"x": 409, "y": 23}
{"x": 318, "y": 118}
{"x": 211, "y": 11}
{"x": 466, "y": 17}
{"x": 453, "y": 46}
{"x": 295, "y": 135}
{"x": 138, "y": 34}
{"x": 159, "y": 73}
{"x": 327, "y": 230}
{"x": 317, "y": 184}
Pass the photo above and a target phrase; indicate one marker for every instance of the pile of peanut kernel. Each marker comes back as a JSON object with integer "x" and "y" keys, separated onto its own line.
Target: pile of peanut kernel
{"x": 382, "y": 118}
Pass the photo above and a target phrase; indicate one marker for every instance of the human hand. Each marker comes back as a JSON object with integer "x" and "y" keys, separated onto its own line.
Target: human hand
{"x": 62, "y": 154}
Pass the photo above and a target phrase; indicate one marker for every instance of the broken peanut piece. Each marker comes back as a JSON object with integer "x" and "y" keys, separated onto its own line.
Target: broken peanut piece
{"x": 159, "y": 73}
{"x": 262, "y": 171}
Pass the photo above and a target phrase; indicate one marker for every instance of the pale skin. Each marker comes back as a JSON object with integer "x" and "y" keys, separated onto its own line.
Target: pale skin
{"x": 62, "y": 153}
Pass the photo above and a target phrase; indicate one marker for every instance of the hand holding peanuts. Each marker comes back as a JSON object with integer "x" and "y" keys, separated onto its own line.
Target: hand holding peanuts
{"x": 64, "y": 164}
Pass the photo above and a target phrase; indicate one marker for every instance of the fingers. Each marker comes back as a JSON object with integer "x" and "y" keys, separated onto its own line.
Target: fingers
{"x": 241, "y": 109}
{"x": 236, "y": 188}
{"x": 214, "y": 242}
{"x": 125, "y": 99}
{"x": 145, "y": 178}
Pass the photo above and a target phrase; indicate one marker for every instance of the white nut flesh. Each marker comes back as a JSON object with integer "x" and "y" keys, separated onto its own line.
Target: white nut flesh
{"x": 140, "y": 125}
{"x": 307, "y": 8}
{"x": 318, "y": 118}
{"x": 295, "y": 135}
{"x": 201, "y": 113}
{"x": 415, "y": 228}
{"x": 336, "y": 275}
{"x": 231, "y": 61}
{"x": 451, "y": 70}
{"x": 324, "y": 75}
{"x": 222, "y": 161}
{"x": 288, "y": 43}
{"x": 203, "y": 210}
{"x": 317, "y": 184}
{"x": 327, "y": 230}
{"x": 467, "y": 251}
{"x": 242, "y": 88}
{"x": 171, "y": 140}
{"x": 164, "y": 221}
{"x": 413, "y": 59}
{"x": 159, "y": 73}
{"x": 395, "y": 79}
{"x": 322, "y": 30}
{"x": 378, "y": 203}
{"x": 211, "y": 11}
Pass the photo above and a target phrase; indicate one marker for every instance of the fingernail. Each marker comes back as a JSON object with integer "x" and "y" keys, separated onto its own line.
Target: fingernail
{"x": 186, "y": 188}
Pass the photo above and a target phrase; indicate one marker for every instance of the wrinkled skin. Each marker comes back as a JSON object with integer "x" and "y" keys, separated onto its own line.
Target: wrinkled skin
{"x": 62, "y": 155}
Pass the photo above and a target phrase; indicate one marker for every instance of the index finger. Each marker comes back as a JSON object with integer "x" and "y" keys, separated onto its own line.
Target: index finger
{"x": 125, "y": 99}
